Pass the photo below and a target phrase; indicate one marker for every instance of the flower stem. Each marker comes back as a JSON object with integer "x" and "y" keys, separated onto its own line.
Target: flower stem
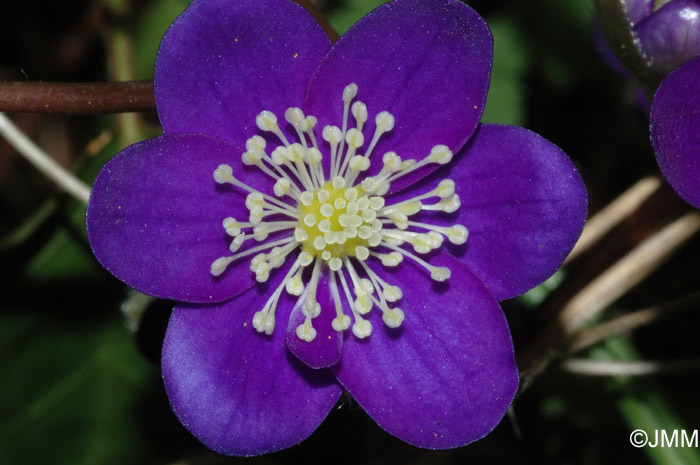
{"x": 77, "y": 98}
{"x": 42, "y": 161}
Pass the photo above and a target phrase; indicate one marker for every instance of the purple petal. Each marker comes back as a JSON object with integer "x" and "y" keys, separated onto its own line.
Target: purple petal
{"x": 238, "y": 391}
{"x": 155, "y": 217}
{"x": 637, "y": 10}
{"x": 326, "y": 349}
{"x": 222, "y": 63}
{"x": 447, "y": 376}
{"x": 427, "y": 62}
{"x": 523, "y": 203}
{"x": 675, "y": 130}
{"x": 671, "y": 35}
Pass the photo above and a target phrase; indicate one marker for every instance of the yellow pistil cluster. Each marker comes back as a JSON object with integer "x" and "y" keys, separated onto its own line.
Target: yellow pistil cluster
{"x": 338, "y": 222}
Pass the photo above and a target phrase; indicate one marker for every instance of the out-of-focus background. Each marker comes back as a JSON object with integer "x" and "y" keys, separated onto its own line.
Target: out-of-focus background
{"x": 79, "y": 351}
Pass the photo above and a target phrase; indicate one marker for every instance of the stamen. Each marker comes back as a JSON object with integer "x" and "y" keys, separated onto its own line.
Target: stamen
{"x": 437, "y": 273}
{"x": 341, "y": 322}
{"x": 355, "y": 139}
{"x": 267, "y": 121}
{"x": 264, "y": 320}
{"x": 361, "y": 328}
{"x": 389, "y": 292}
{"x": 224, "y": 175}
{"x": 220, "y": 264}
{"x": 349, "y": 94}
{"x": 333, "y": 135}
{"x": 359, "y": 111}
{"x": 456, "y": 234}
{"x": 385, "y": 123}
{"x": 310, "y": 308}
{"x": 440, "y": 154}
{"x": 255, "y": 155}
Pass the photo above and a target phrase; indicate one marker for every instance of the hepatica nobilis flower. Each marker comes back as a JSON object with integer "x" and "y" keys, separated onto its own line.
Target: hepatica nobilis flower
{"x": 675, "y": 130}
{"x": 334, "y": 217}
{"x": 667, "y": 32}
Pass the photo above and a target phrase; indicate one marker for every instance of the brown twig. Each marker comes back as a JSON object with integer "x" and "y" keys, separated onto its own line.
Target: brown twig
{"x": 76, "y": 98}
{"x": 630, "y": 321}
{"x": 613, "y": 214}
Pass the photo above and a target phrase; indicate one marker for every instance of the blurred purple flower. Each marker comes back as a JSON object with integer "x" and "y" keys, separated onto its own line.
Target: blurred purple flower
{"x": 675, "y": 130}
{"x": 669, "y": 35}
{"x": 339, "y": 225}
{"x": 664, "y": 36}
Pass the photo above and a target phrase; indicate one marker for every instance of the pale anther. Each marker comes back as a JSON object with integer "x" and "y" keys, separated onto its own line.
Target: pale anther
{"x": 349, "y": 92}
{"x": 266, "y": 121}
{"x": 385, "y": 121}
{"x": 440, "y": 154}
{"x": 223, "y": 174}
{"x": 332, "y": 134}
{"x": 359, "y": 111}
{"x": 393, "y": 317}
{"x": 362, "y": 329}
{"x": 440, "y": 273}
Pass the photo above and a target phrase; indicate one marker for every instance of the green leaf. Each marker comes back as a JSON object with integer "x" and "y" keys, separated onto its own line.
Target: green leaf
{"x": 153, "y": 23}
{"x": 71, "y": 391}
{"x": 505, "y": 103}
{"x": 342, "y": 18}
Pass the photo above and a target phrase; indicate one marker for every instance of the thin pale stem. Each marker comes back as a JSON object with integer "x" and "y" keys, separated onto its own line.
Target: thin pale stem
{"x": 42, "y": 161}
{"x": 631, "y": 321}
{"x": 605, "y": 289}
{"x": 588, "y": 367}
{"x": 613, "y": 214}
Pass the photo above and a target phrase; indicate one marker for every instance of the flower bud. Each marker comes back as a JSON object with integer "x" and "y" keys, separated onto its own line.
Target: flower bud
{"x": 651, "y": 37}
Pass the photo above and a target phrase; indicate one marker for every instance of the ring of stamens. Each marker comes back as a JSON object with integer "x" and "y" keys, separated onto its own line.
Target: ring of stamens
{"x": 342, "y": 223}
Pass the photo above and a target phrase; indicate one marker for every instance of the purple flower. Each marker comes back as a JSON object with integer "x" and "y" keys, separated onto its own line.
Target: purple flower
{"x": 329, "y": 250}
{"x": 651, "y": 40}
{"x": 675, "y": 130}
{"x": 669, "y": 35}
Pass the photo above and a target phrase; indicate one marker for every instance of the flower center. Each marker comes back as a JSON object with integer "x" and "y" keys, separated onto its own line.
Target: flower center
{"x": 342, "y": 226}
{"x": 338, "y": 222}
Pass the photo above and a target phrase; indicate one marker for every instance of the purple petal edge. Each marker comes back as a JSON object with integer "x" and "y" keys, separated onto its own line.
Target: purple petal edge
{"x": 223, "y": 62}
{"x": 238, "y": 391}
{"x": 522, "y": 201}
{"x": 427, "y": 62}
{"x": 447, "y": 376}
{"x": 675, "y": 130}
{"x": 155, "y": 215}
